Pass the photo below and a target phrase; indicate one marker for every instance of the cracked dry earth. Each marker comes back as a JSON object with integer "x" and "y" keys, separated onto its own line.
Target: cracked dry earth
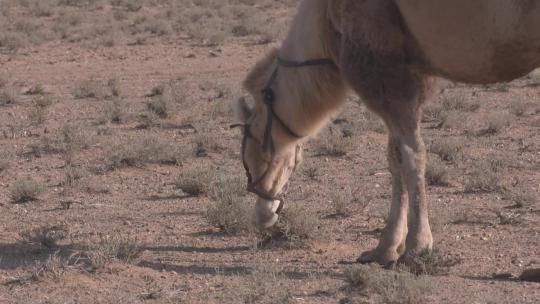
{"x": 187, "y": 260}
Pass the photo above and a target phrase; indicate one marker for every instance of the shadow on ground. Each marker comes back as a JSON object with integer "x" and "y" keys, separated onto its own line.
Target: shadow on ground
{"x": 17, "y": 255}
{"x": 225, "y": 270}
{"x": 198, "y": 249}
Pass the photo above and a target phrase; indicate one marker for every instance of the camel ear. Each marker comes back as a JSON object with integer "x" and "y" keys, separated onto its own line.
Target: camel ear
{"x": 242, "y": 110}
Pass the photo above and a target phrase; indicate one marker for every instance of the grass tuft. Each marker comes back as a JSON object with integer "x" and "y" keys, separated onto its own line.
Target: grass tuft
{"x": 341, "y": 200}
{"x": 96, "y": 89}
{"x": 26, "y": 190}
{"x": 230, "y": 211}
{"x": 37, "y": 116}
{"x": 143, "y": 150}
{"x": 386, "y": 286}
{"x": 195, "y": 182}
{"x": 8, "y": 97}
{"x": 46, "y": 236}
{"x": 312, "y": 171}
{"x": 115, "y": 111}
{"x": 116, "y": 247}
{"x": 496, "y": 122}
{"x": 430, "y": 262}
{"x": 437, "y": 173}
{"x": 35, "y": 89}
{"x": 331, "y": 142}
{"x": 265, "y": 285}
{"x": 448, "y": 149}
{"x": 487, "y": 176}
{"x": 296, "y": 227}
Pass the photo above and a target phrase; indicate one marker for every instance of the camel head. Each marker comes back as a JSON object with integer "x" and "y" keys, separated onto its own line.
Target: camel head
{"x": 268, "y": 166}
{"x": 270, "y": 152}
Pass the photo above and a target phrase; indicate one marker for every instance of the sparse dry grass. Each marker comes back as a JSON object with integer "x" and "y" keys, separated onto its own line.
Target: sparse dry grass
{"x": 50, "y": 269}
{"x": 159, "y": 105}
{"x": 436, "y": 172}
{"x": 331, "y": 142}
{"x": 165, "y": 97}
{"x": 43, "y": 101}
{"x": 45, "y": 145}
{"x": 390, "y": 287}
{"x": 495, "y": 123}
{"x": 232, "y": 215}
{"x": 432, "y": 112}
{"x": 113, "y": 247}
{"x": 430, "y": 262}
{"x": 483, "y": 179}
{"x": 231, "y": 210}
{"x": 195, "y": 181}
{"x": 8, "y": 97}
{"x": 5, "y": 157}
{"x": 205, "y": 22}
{"x": 11, "y": 41}
{"x": 509, "y": 218}
{"x": 115, "y": 110}
{"x": 518, "y": 107}
{"x": 72, "y": 175}
{"x": 97, "y": 89}
{"x": 522, "y": 197}
{"x": 46, "y": 236}
{"x": 458, "y": 102}
{"x": 37, "y": 116}
{"x": 296, "y": 227}
{"x": 452, "y": 120}
{"x": 136, "y": 152}
{"x": 35, "y": 89}
{"x": 171, "y": 294}
{"x": 371, "y": 122}
{"x": 75, "y": 137}
{"x": 265, "y": 285}
{"x": 341, "y": 201}
{"x": 207, "y": 140}
{"x": 4, "y": 165}
{"x": 312, "y": 171}
{"x": 447, "y": 148}
{"x": 26, "y": 190}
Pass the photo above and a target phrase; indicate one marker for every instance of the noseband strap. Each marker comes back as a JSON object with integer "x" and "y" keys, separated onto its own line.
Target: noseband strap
{"x": 268, "y": 145}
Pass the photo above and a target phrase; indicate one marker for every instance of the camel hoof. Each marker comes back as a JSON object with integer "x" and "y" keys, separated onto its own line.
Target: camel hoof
{"x": 375, "y": 256}
{"x": 367, "y": 257}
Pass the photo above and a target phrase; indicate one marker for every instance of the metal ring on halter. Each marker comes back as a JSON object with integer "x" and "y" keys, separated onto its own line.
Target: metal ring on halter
{"x": 268, "y": 145}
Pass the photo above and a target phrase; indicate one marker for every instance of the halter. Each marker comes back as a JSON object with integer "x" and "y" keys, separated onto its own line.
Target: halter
{"x": 267, "y": 144}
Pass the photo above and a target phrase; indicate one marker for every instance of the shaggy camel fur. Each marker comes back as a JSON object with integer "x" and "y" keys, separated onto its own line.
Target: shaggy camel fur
{"x": 389, "y": 52}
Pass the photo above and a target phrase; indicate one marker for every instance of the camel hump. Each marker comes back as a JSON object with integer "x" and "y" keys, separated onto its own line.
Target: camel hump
{"x": 476, "y": 41}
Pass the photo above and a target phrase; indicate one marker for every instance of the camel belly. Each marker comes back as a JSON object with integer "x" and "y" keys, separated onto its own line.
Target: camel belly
{"x": 478, "y": 41}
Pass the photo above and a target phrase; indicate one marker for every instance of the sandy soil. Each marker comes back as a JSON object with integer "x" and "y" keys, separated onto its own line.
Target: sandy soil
{"x": 187, "y": 260}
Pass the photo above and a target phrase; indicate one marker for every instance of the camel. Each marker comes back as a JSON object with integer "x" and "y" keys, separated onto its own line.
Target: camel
{"x": 391, "y": 53}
